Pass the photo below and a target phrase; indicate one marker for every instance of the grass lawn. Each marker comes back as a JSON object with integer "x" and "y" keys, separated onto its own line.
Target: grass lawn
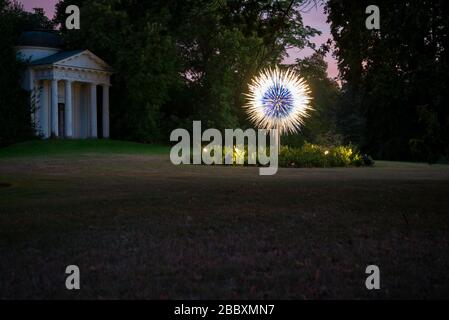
{"x": 51, "y": 148}
{"x": 139, "y": 227}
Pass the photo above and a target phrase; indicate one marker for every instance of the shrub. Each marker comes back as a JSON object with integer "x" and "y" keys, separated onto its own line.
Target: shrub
{"x": 310, "y": 155}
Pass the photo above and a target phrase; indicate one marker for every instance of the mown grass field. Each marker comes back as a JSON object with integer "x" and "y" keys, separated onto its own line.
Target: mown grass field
{"x": 139, "y": 227}
{"x": 50, "y": 148}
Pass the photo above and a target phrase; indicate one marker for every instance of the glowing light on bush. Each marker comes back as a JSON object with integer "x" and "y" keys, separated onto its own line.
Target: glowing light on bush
{"x": 278, "y": 99}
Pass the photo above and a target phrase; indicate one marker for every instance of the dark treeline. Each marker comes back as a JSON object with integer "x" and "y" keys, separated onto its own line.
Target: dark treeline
{"x": 178, "y": 61}
{"x": 394, "y": 100}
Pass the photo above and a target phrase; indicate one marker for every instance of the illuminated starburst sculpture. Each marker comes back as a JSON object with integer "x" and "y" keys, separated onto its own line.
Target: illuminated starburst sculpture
{"x": 278, "y": 99}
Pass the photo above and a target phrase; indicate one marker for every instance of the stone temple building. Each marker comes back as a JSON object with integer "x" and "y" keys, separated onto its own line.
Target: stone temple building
{"x": 69, "y": 89}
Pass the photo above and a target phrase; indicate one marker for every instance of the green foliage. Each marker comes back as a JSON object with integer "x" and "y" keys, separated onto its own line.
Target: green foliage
{"x": 310, "y": 155}
{"x": 431, "y": 145}
{"x": 320, "y": 127}
{"x": 15, "y": 111}
{"x": 237, "y": 155}
{"x": 389, "y": 74}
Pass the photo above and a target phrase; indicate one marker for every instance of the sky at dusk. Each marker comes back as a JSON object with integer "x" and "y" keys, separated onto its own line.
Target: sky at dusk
{"x": 314, "y": 18}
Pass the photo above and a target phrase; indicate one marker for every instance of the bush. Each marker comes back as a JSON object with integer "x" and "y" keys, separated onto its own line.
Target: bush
{"x": 310, "y": 155}
{"x": 15, "y": 111}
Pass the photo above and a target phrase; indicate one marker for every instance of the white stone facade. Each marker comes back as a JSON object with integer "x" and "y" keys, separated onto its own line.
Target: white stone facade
{"x": 65, "y": 87}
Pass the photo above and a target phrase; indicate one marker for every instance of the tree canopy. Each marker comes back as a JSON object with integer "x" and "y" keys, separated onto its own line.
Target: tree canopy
{"x": 395, "y": 84}
{"x": 15, "y": 113}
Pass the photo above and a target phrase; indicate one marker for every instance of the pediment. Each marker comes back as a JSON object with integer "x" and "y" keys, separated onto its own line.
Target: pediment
{"x": 84, "y": 60}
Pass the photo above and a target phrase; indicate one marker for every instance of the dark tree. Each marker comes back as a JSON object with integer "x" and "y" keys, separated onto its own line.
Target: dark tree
{"x": 395, "y": 84}
{"x": 15, "y": 111}
{"x": 320, "y": 127}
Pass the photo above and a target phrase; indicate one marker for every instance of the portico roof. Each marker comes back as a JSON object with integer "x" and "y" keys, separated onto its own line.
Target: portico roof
{"x": 56, "y": 57}
{"x": 78, "y": 65}
{"x": 80, "y": 59}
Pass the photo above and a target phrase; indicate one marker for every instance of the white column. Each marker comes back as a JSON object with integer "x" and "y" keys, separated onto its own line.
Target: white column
{"x": 34, "y": 102}
{"x": 44, "y": 110}
{"x": 93, "y": 110}
{"x": 54, "y": 107}
{"x": 105, "y": 111}
{"x": 32, "y": 86}
{"x": 68, "y": 112}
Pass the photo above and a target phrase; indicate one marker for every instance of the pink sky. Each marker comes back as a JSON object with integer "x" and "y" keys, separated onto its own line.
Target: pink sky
{"x": 314, "y": 18}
